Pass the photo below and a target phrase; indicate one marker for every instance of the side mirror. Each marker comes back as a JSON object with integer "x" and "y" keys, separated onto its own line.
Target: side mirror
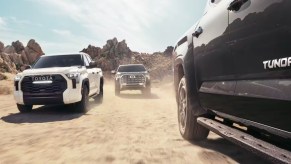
{"x": 198, "y": 32}
{"x": 113, "y": 72}
{"x": 27, "y": 67}
{"x": 92, "y": 64}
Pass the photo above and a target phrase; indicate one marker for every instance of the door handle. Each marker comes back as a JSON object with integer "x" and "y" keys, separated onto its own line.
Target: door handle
{"x": 236, "y": 5}
{"x": 198, "y": 32}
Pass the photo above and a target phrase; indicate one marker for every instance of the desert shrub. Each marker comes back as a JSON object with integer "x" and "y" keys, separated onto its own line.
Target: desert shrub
{"x": 3, "y": 77}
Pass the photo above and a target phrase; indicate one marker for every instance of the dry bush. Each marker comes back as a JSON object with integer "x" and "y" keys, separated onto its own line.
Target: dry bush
{"x": 3, "y": 77}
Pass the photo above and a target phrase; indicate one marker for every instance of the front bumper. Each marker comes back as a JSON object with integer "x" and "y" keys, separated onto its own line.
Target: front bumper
{"x": 138, "y": 86}
{"x": 132, "y": 82}
{"x": 68, "y": 96}
{"x": 43, "y": 99}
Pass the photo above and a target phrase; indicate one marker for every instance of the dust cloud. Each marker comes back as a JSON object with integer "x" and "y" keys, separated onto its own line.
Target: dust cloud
{"x": 130, "y": 128}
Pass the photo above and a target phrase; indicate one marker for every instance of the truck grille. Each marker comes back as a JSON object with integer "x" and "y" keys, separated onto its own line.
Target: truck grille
{"x": 58, "y": 85}
{"x": 132, "y": 79}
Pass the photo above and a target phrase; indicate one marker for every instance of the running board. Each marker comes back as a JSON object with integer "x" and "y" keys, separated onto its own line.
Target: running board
{"x": 257, "y": 146}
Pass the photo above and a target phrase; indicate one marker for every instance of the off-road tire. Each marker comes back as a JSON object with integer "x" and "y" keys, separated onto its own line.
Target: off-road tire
{"x": 99, "y": 97}
{"x": 188, "y": 126}
{"x": 24, "y": 108}
{"x": 82, "y": 106}
{"x": 117, "y": 89}
{"x": 147, "y": 91}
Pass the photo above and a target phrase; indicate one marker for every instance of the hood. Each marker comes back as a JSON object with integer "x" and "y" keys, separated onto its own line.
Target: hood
{"x": 54, "y": 70}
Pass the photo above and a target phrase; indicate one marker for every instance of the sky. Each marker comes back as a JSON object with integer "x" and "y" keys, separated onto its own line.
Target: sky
{"x": 61, "y": 26}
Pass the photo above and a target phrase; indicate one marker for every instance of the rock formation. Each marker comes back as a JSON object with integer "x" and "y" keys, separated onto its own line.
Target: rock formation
{"x": 18, "y": 46}
{"x": 1, "y": 46}
{"x": 14, "y": 56}
{"x": 92, "y": 51}
{"x": 33, "y": 51}
{"x": 169, "y": 51}
{"x": 115, "y": 53}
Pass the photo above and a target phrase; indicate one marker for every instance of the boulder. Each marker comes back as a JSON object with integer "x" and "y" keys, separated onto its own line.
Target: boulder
{"x": 1, "y": 46}
{"x": 17, "y": 60}
{"x": 18, "y": 46}
{"x": 9, "y": 49}
{"x": 33, "y": 45}
{"x": 24, "y": 57}
{"x": 92, "y": 51}
{"x": 33, "y": 51}
{"x": 7, "y": 65}
{"x": 169, "y": 51}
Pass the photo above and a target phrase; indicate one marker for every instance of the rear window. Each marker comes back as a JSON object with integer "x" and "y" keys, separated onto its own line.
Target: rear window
{"x": 131, "y": 68}
{"x": 59, "y": 61}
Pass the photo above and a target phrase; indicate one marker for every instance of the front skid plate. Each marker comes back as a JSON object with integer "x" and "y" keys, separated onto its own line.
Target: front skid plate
{"x": 257, "y": 146}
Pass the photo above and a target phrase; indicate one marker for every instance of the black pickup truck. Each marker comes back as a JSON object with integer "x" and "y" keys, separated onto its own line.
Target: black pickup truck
{"x": 132, "y": 77}
{"x": 232, "y": 75}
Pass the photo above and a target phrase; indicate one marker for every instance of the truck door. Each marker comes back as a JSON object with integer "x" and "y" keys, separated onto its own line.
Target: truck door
{"x": 260, "y": 38}
{"x": 96, "y": 76}
{"x": 211, "y": 50}
{"x": 214, "y": 63}
{"x": 91, "y": 76}
{"x": 259, "y": 30}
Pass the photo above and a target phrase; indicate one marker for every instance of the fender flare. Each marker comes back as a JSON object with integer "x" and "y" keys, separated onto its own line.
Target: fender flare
{"x": 192, "y": 85}
{"x": 86, "y": 82}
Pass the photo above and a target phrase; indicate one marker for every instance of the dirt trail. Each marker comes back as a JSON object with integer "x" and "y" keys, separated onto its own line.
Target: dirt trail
{"x": 126, "y": 129}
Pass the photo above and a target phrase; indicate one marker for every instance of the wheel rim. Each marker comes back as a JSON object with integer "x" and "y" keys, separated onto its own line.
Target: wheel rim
{"x": 182, "y": 110}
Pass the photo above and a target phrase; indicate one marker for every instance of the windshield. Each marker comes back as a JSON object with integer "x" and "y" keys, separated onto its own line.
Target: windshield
{"x": 59, "y": 61}
{"x": 131, "y": 68}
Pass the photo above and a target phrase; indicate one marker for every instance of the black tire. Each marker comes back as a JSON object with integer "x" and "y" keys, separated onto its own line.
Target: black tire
{"x": 24, "y": 108}
{"x": 147, "y": 91}
{"x": 188, "y": 126}
{"x": 117, "y": 89}
{"x": 99, "y": 97}
{"x": 82, "y": 106}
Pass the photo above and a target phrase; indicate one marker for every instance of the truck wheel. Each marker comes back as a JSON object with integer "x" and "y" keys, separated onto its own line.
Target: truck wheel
{"x": 24, "y": 108}
{"x": 82, "y": 106}
{"x": 99, "y": 97}
{"x": 147, "y": 90}
{"x": 188, "y": 126}
{"x": 117, "y": 89}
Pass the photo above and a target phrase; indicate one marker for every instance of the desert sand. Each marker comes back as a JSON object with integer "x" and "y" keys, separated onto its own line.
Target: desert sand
{"x": 130, "y": 128}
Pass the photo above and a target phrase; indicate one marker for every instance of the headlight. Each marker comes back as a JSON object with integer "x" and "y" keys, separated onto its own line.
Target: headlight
{"x": 147, "y": 76}
{"x": 118, "y": 75}
{"x": 74, "y": 75}
{"x": 17, "y": 77}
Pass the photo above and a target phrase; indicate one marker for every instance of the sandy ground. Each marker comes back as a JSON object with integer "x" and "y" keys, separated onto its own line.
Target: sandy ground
{"x": 126, "y": 129}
